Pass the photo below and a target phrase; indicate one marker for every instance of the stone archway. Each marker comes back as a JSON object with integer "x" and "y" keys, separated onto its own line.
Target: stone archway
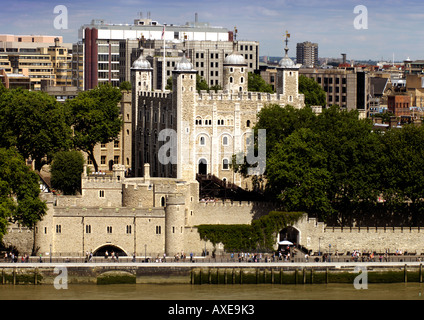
{"x": 291, "y": 234}
{"x": 100, "y": 251}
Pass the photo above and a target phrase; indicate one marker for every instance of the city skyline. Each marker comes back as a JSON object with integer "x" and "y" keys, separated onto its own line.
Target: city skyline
{"x": 393, "y": 27}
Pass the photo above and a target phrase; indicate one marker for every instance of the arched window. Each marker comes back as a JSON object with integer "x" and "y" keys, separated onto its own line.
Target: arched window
{"x": 225, "y": 164}
{"x": 241, "y": 80}
{"x": 162, "y": 201}
{"x": 248, "y": 123}
{"x": 225, "y": 141}
{"x": 202, "y": 141}
{"x": 231, "y": 79}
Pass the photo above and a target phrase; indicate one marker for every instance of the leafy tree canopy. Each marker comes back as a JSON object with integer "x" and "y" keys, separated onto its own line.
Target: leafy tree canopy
{"x": 66, "y": 170}
{"x": 257, "y": 84}
{"x": 314, "y": 94}
{"x": 95, "y": 116}
{"x": 33, "y": 122}
{"x": 19, "y": 192}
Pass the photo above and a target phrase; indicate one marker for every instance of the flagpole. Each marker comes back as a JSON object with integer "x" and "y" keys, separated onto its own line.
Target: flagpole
{"x": 164, "y": 63}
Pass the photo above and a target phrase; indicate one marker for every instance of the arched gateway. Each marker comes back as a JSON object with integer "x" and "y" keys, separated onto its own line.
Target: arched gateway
{"x": 100, "y": 251}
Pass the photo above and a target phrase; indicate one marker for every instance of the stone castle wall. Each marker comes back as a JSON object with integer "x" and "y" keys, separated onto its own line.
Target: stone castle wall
{"x": 317, "y": 236}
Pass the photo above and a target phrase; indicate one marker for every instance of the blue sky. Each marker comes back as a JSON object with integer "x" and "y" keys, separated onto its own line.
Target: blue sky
{"x": 394, "y": 26}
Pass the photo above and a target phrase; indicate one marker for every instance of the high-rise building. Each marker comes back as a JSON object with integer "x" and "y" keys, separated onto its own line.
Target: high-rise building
{"x": 307, "y": 54}
{"x": 110, "y": 49}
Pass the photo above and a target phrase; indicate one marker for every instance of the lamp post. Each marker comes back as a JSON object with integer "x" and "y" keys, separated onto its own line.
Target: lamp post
{"x": 145, "y": 254}
{"x": 319, "y": 246}
{"x": 50, "y": 253}
{"x": 329, "y": 252}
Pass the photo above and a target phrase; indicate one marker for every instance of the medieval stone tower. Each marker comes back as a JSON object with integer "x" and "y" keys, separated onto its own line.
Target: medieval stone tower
{"x": 184, "y": 101}
{"x": 174, "y": 223}
{"x": 235, "y": 72}
{"x": 141, "y": 81}
{"x": 287, "y": 78}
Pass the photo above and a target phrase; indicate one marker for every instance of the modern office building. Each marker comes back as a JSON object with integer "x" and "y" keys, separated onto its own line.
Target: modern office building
{"x": 307, "y": 54}
{"x": 39, "y": 57}
{"x": 346, "y": 87}
{"x": 110, "y": 49}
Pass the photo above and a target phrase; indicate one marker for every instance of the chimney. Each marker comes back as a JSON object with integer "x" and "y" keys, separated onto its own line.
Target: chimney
{"x": 344, "y": 58}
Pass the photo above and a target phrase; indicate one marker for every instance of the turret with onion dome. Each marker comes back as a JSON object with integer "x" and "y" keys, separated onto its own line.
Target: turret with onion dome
{"x": 286, "y": 62}
{"x": 184, "y": 65}
{"x": 141, "y": 75}
{"x": 235, "y": 70}
{"x": 141, "y": 63}
{"x": 287, "y": 77}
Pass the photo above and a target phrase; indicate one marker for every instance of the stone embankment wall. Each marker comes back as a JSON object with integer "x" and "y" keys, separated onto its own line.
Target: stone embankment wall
{"x": 203, "y": 273}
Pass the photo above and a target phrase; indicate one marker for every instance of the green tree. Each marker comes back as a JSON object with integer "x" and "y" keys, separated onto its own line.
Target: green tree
{"x": 314, "y": 94}
{"x": 35, "y": 123}
{"x": 201, "y": 83}
{"x": 125, "y": 85}
{"x": 95, "y": 117}
{"x": 19, "y": 192}
{"x": 257, "y": 84}
{"x": 66, "y": 170}
{"x": 297, "y": 173}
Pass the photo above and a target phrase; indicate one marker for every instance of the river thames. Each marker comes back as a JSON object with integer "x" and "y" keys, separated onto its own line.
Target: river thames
{"x": 391, "y": 291}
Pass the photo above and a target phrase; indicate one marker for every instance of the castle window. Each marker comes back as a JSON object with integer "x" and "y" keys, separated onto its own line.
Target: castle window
{"x": 109, "y": 229}
{"x": 231, "y": 70}
{"x": 58, "y": 228}
{"x": 202, "y": 141}
{"x": 242, "y": 70}
{"x": 128, "y": 229}
{"x": 158, "y": 229}
{"x": 162, "y": 201}
{"x": 88, "y": 228}
{"x": 225, "y": 141}
{"x": 225, "y": 164}
{"x": 291, "y": 98}
{"x": 231, "y": 79}
{"x": 116, "y": 144}
{"x": 248, "y": 123}
{"x": 241, "y": 80}
{"x": 101, "y": 193}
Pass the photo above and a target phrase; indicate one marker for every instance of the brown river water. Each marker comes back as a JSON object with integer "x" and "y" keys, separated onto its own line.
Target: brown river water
{"x": 391, "y": 291}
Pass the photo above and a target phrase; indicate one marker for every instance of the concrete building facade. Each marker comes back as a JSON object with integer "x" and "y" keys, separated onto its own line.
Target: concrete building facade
{"x": 307, "y": 54}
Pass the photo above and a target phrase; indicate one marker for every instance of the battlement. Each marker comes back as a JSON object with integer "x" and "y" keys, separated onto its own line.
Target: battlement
{"x": 230, "y": 203}
{"x": 243, "y": 96}
{"x": 156, "y": 94}
{"x": 374, "y": 230}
